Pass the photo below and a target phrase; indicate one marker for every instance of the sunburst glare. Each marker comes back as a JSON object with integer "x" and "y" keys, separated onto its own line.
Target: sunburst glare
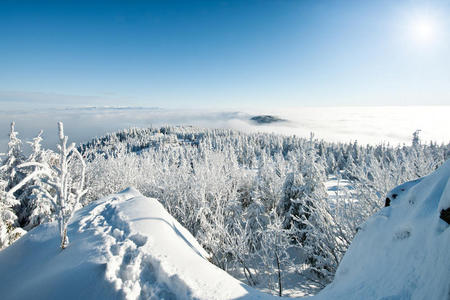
{"x": 423, "y": 29}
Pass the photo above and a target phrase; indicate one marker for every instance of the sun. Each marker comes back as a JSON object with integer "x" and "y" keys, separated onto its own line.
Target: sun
{"x": 423, "y": 30}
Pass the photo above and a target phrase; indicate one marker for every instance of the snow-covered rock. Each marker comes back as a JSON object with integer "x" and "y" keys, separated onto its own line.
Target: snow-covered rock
{"x": 403, "y": 251}
{"x": 127, "y": 246}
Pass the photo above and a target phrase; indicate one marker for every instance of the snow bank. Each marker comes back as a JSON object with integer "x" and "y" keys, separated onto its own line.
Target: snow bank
{"x": 403, "y": 251}
{"x": 127, "y": 246}
{"x": 124, "y": 246}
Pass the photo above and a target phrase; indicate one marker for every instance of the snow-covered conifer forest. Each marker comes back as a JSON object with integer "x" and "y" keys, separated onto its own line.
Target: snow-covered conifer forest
{"x": 277, "y": 212}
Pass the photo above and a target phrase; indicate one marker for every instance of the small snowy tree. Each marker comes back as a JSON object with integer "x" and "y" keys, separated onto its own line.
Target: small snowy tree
{"x": 274, "y": 251}
{"x": 416, "y": 138}
{"x": 311, "y": 219}
{"x": 36, "y": 206}
{"x": 292, "y": 189}
{"x": 9, "y": 226}
{"x": 14, "y": 157}
{"x": 67, "y": 189}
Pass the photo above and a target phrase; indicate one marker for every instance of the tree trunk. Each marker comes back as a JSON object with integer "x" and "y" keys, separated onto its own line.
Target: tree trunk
{"x": 64, "y": 240}
{"x": 280, "y": 288}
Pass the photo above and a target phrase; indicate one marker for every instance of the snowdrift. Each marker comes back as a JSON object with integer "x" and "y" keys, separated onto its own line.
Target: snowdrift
{"x": 127, "y": 246}
{"x": 403, "y": 251}
{"x": 124, "y": 246}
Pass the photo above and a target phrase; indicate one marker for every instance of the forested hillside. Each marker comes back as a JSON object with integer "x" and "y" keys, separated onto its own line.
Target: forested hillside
{"x": 258, "y": 203}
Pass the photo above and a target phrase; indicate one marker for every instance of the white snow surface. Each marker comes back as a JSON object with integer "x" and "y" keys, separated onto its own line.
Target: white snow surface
{"x": 402, "y": 251}
{"x": 127, "y": 246}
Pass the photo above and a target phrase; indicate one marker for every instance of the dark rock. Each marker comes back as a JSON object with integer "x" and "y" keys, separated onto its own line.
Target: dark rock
{"x": 266, "y": 119}
{"x": 387, "y": 202}
{"x": 394, "y": 196}
{"x": 445, "y": 215}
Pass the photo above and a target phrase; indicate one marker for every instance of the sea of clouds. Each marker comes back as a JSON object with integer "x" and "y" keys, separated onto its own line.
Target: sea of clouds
{"x": 367, "y": 125}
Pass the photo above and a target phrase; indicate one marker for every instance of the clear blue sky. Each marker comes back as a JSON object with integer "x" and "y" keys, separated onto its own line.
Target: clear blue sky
{"x": 224, "y": 53}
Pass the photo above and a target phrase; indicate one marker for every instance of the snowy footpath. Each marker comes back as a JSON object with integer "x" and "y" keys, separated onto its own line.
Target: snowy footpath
{"x": 127, "y": 246}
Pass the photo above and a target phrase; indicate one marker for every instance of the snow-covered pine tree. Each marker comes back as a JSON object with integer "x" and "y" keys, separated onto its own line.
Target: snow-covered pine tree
{"x": 67, "y": 187}
{"x": 313, "y": 217}
{"x": 36, "y": 205}
{"x": 9, "y": 204}
{"x": 416, "y": 138}
{"x": 256, "y": 220}
{"x": 292, "y": 190}
{"x": 268, "y": 182}
{"x": 14, "y": 157}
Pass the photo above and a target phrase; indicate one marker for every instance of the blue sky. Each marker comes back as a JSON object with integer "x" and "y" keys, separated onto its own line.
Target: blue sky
{"x": 223, "y": 54}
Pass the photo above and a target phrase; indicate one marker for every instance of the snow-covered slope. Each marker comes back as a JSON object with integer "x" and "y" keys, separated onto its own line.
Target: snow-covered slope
{"x": 127, "y": 246}
{"x": 403, "y": 251}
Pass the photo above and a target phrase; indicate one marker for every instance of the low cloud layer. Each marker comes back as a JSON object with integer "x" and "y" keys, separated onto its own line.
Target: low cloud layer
{"x": 372, "y": 125}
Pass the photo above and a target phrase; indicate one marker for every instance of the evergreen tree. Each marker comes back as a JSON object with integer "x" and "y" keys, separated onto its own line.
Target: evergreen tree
{"x": 9, "y": 204}
{"x": 35, "y": 200}
{"x": 14, "y": 157}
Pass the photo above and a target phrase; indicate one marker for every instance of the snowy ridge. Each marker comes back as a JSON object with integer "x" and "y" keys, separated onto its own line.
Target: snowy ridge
{"x": 124, "y": 246}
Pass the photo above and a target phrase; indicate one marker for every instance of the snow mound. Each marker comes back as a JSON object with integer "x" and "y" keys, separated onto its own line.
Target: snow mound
{"x": 124, "y": 246}
{"x": 401, "y": 252}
